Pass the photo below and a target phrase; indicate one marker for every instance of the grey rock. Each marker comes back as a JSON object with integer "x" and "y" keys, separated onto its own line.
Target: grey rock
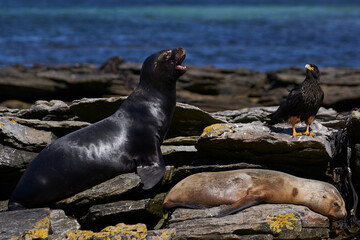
{"x": 269, "y": 221}
{"x": 59, "y": 128}
{"x": 272, "y": 146}
{"x": 189, "y": 121}
{"x": 95, "y": 109}
{"x": 60, "y": 224}
{"x": 47, "y": 110}
{"x": 129, "y": 211}
{"x": 162, "y": 234}
{"x": 107, "y": 191}
{"x": 13, "y": 163}
{"x": 22, "y": 137}
{"x": 179, "y": 155}
{"x": 25, "y": 224}
{"x": 65, "y": 82}
{"x": 181, "y": 141}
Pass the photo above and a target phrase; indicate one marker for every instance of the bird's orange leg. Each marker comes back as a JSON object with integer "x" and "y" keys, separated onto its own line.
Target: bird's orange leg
{"x": 308, "y": 122}
{"x": 294, "y": 131}
{"x": 307, "y": 133}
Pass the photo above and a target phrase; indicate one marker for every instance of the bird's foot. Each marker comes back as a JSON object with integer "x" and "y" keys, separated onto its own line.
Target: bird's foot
{"x": 296, "y": 134}
{"x": 309, "y": 134}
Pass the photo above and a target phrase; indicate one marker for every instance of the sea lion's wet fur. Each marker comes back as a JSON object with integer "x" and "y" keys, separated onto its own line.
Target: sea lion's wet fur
{"x": 126, "y": 141}
{"x": 247, "y": 187}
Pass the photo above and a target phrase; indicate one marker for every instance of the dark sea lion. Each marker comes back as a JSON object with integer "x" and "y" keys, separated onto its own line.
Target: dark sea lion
{"x": 302, "y": 103}
{"x": 128, "y": 140}
{"x": 247, "y": 187}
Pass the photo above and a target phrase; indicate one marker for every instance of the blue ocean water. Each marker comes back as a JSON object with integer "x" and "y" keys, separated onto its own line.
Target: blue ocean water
{"x": 259, "y": 34}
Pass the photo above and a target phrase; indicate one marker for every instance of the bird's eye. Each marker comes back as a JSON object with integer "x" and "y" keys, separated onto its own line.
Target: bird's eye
{"x": 336, "y": 204}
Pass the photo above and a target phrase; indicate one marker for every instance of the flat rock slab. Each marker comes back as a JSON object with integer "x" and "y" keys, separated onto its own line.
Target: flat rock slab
{"x": 61, "y": 224}
{"x": 59, "y": 128}
{"x": 265, "y": 221}
{"x": 22, "y": 137}
{"x": 32, "y": 223}
{"x": 273, "y": 146}
{"x": 107, "y": 191}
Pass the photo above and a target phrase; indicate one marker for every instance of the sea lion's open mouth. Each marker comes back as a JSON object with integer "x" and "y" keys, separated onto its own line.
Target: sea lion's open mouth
{"x": 179, "y": 62}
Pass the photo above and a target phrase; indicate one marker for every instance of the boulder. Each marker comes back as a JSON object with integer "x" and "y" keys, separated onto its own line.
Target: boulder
{"x": 22, "y": 137}
{"x": 265, "y": 221}
{"x": 272, "y": 146}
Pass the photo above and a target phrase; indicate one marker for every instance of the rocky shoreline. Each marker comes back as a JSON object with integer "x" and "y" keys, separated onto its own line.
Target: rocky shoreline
{"x": 228, "y": 131}
{"x": 212, "y": 89}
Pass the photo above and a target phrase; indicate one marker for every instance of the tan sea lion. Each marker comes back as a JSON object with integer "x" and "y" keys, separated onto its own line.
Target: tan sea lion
{"x": 247, "y": 187}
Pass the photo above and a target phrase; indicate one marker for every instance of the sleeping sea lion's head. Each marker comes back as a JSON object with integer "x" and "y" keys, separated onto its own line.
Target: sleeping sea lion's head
{"x": 328, "y": 201}
{"x": 164, "y": 66}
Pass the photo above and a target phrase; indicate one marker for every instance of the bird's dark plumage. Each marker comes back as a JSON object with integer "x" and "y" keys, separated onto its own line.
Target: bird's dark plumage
{"x": 302, "y": 103}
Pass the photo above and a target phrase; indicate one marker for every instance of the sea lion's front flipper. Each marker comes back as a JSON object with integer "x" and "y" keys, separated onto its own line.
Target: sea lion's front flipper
{"x": 243, "y": 203}
{"x": 152, "y": 169}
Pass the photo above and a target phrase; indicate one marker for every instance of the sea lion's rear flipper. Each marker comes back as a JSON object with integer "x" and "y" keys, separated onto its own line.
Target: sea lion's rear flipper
{"x": 152, "y": 169}
{"x": 243, "y": 203}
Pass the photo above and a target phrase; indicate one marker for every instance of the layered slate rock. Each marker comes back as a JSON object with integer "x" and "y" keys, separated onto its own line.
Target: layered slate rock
{"x": 273, "y": 146}
{"x": 107, "y": 191}
{"x": 47, "y": 110}
{"x": 124, "y": 232}
{"x": 22, "y": 137}
{"x": 25, "y": 224}
{"x": 59, "y": 128}
{"x": 65, "y": 82}
{"x": 148, "y": 210}
{"x": 60, "y": 224}
{"x": 265, "y": 221}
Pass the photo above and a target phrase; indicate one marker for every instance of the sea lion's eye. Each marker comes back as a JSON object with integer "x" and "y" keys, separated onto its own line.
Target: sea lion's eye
{"x": 336, "y": 204}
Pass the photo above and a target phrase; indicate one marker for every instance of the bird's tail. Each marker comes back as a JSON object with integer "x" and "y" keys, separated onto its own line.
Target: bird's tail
{"x": 274, "y": 118}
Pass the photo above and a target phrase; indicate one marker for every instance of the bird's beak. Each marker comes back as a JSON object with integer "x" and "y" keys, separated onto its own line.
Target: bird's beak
{"x": 307, "y": 66}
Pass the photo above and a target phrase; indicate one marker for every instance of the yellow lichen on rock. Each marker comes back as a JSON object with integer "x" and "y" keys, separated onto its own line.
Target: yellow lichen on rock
{"x": 218, "y": 127}
{"x": 39, "y": 231}
{"x": 166, "y": 234}
{"x": 121, "y": 230}
{"x": 287, "y": 221}
{"x": 80, "y": 235}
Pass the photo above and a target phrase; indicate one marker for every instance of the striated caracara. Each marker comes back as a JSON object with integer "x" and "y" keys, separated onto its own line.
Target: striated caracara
{"x": 302, "y": 103}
